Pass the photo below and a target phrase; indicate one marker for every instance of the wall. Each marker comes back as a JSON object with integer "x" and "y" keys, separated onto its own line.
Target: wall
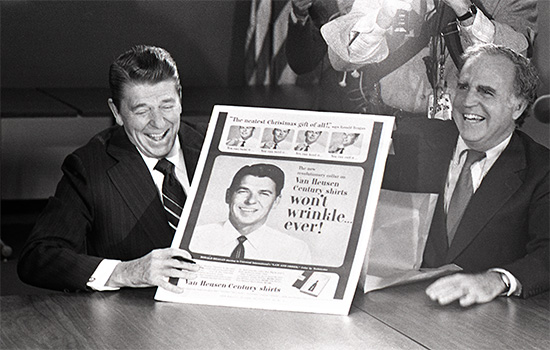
{"x": 72, "y": 43}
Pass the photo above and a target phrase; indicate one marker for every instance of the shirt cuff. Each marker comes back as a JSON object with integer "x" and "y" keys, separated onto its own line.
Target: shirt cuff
{"x": 102, "y": 274}
{"x": 482, "y": 30}
{"x": 515, "y": 285}
{"x": 302, "y": 20}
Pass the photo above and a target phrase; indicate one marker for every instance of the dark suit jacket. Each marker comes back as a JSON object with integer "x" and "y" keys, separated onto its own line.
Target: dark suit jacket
{"x": 506, "y": 222}
{"x": 105, "y": 206}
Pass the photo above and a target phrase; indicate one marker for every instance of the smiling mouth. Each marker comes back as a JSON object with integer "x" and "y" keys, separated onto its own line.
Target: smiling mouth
{"x": 157, "y": 137}
{"x": 247, "y": 210}
{"x": 473, "y": 117}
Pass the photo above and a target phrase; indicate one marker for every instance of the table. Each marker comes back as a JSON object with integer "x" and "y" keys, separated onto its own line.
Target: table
{"x": 394, "y": 318}
{"x": 504, "y": 323}
{"x": 131, "y": 319}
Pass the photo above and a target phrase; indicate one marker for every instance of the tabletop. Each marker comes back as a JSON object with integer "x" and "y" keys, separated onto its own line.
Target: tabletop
{"x": 504, "y": 323}
{"x": 393, "y": 318}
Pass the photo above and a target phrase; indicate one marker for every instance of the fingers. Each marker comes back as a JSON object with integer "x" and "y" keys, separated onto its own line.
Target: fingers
{"x": 154, "y": 269}
{"x": 468, "y": 289}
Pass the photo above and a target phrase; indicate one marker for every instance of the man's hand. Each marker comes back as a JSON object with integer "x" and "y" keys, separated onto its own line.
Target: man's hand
{"x": 301, "y": 7}
{"x": 389, "y": 10}
{"x": 154, "y": 269}
{"x": 468, "y": 289}
{"x": 460, "y": 7}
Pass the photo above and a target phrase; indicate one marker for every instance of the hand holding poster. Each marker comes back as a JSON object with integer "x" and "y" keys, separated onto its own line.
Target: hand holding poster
{"x": 281, "y": 214}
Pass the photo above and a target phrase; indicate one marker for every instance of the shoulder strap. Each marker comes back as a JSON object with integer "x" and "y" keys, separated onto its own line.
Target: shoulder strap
{"x": 376, "y": 71}
{"x": 452, "y": 39}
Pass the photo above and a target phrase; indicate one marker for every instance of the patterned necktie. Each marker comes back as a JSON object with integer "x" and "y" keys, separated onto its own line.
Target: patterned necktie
{"x": 238, "y": 252}
{"x": 462, "y": 193}
{"x": 173, "y": 195}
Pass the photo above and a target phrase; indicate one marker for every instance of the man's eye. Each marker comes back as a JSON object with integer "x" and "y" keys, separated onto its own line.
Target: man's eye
{"x": 462, "y": 86}
{"x": 141, "y": 111}
{"x": 168, "y": 107}
{"x": 486, "y": 91}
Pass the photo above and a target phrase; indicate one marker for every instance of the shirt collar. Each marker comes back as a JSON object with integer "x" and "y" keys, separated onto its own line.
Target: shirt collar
{"x": 175, "y": 157}
{"x": 490, "y": 154}
{"x": 233, "y": 234}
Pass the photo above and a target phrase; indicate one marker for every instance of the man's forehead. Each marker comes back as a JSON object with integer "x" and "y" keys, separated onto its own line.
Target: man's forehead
{"x": 139, "y": 90}
{"x": 263, "y": 182}
{"x": 495, "y": 71}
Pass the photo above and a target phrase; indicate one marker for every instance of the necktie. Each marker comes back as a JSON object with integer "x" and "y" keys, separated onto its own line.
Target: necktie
{"x": 306, "y": 148}
{"x": 462, "y": 193}
{"x": 173, "y": 196}
{"x": 275, "y": 145}
{"x": 242, "y": 144}
{"x": 238, "y": 252}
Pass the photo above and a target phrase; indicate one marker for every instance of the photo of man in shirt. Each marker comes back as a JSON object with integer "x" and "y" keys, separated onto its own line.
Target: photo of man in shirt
{"x": 254, "y": 192}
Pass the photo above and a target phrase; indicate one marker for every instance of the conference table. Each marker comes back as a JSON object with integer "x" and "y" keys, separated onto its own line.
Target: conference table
{"x": 399, "y": 317}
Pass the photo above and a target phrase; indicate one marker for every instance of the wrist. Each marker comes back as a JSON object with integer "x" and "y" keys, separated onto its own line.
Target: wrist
{"x": 299, "y": 13}
{"x": 466, "y": 16}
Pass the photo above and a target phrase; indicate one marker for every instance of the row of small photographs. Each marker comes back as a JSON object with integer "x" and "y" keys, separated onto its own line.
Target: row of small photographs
{"x": 312, "y": 141}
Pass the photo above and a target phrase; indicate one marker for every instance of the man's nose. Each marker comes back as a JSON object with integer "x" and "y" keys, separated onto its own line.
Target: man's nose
{"x": 251, "y": 198}
{"x": 157, "y": 119}
{"x": 470, "y": 98}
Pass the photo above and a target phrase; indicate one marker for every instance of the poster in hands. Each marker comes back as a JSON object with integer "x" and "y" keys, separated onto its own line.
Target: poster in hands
{"x": 281, "y": 208}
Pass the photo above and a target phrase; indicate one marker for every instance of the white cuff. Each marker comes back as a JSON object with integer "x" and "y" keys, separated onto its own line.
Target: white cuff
{"x": 481, "y": 31}
{"x": 302, "y": 21}
{"x": 513, "y": 281}
{"x": 102, "y": 274}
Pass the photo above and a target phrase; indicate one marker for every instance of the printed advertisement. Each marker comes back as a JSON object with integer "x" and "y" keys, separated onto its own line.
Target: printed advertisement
{"x": 281, "y": 208}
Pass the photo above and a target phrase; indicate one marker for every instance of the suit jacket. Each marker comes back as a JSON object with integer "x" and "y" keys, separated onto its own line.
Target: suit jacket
{"x": 506, "y": 222}
{"x": 105, "y": 206}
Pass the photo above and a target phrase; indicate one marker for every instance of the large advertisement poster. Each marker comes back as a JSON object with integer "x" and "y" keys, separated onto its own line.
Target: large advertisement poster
{"x": 281, "y": 208}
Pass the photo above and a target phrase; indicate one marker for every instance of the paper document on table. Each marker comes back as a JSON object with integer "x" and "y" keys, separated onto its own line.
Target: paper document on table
{"x": 399, "y": 234}
{"x": 394, "y": 278}
{"x": 281, "y": 209}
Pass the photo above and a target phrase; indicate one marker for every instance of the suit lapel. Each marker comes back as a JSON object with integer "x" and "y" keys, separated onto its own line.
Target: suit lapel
{"x": 191, "y": 141}
{"x": 500, "y": 183}
{"x": 135, "y": 185}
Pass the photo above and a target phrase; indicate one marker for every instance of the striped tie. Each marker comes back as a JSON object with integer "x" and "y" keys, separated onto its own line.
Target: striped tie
{"x": 173, "y": 196}
{"x": 462, "y": 193}
{"x": 238, "y": 252}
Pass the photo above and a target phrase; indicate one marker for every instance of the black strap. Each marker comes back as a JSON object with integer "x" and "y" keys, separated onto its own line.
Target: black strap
{"x": 452, "y": 39}
{"x": 376, "y": 71}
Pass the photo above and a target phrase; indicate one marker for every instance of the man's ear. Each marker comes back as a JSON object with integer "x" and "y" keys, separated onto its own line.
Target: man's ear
{"x": 228, "y": 196}
{"x": 114, "y": 110}
{"x": 520, "y": 106}
{"x": 276, "y": 202}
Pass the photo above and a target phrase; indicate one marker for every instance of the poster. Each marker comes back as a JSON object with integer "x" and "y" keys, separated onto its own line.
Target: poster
{"x": 281, "y": 209}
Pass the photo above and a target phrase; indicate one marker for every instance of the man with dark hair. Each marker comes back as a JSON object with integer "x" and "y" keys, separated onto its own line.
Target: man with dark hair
{"x": 310, "y": 143}
{"x": 254, "y": 191}
{"x": 278, "y": 139}
{"x": 244, "y": 138}
{"x": 492, "y": 213}
{"x": 118, "y": 203}
{"x": 345, "y": 143}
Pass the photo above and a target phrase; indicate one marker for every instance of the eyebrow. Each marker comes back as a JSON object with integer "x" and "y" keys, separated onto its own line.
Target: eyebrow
{"x": 140, "y": 105}
{"x": 486, "y": 88}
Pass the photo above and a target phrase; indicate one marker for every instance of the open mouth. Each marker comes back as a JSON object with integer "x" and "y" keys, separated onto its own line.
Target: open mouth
{"x": 157, "y": 137}
{"x": 474, "y": 118}
{"x": 247, "y": 209}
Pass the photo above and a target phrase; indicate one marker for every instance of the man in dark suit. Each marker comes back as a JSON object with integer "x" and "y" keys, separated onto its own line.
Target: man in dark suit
{"x": 106, "y": 226}
{"x": 501, "y": 237}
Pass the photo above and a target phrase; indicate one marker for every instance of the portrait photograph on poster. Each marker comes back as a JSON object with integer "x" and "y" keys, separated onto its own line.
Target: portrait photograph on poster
{"x": 281, "y": 211}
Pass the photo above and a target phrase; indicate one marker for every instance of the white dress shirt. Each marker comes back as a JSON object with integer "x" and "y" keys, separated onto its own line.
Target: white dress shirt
{"x": 106, "y": 267}
{"x": 478, "y": 172}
